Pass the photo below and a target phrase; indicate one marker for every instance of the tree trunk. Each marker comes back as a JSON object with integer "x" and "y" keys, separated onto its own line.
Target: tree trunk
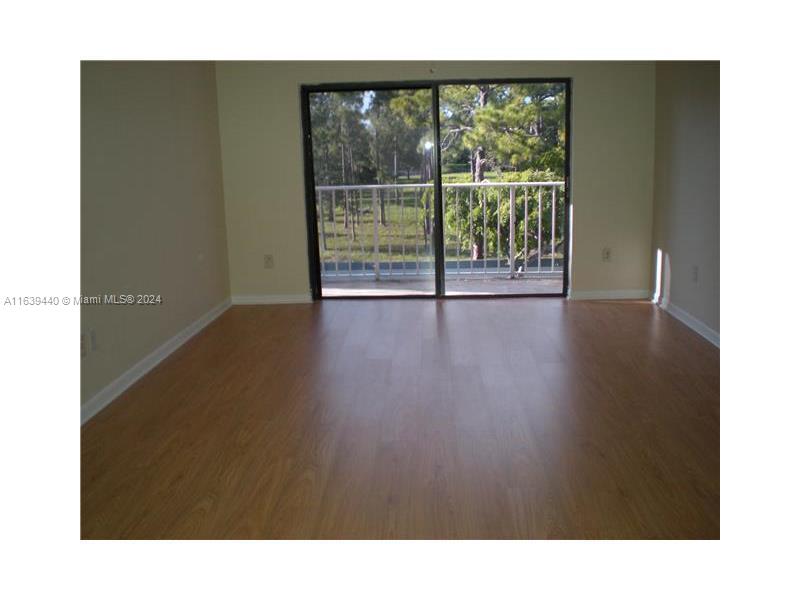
{"x": 477, "y": 246}
{"x": 427, "y": 222}
{"x": 477, "y": 168}
{"x": 480, "y": 154}
{"x": 332, "y": 199}
{"x": 480, "y": 161}
{"x": 352, "y": 166}
{"x": 394, "y": 172}
{"x": 344, "y": 173}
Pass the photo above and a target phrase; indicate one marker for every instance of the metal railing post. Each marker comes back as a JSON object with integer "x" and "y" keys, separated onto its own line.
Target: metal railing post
{"x": 349, "y": 216}
{"x": 417, "y": 200}
{"x": 512, "y": 242}
{"x": 539, "y": 233}
{"x": 485, "y": 226}
{"x": 553, "y": 234}
{"x": 321, "y": 213}
{"x": 458, "y": 237}
{"x": 402, "y": 202}
{"x": 471, "y": 239}
{"x": 389, "y": 230}
{"x": 335, "y": 239}
{"x": 525, "y": 228}
{"x": 375, "y": 246}
{"x": 497, "y": 243}
{"x": 361, "y": 231}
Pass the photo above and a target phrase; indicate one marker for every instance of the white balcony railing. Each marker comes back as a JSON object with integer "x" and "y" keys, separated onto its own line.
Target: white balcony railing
{"x": 385, "y": 231}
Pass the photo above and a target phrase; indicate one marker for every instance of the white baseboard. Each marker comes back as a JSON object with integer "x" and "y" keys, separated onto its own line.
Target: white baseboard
{"x": 692, "y": 323}
{"x": 609, "y": 295}
{"x": 273, "y": 299}
{"x": 110, "y": 393}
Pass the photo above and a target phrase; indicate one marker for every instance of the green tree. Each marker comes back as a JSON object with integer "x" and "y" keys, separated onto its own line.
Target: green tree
{"x": 508, "y": 129}
{"x": 503, "y": 127}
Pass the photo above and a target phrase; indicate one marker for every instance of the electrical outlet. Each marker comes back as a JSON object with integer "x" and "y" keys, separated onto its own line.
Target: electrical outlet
{"x": 695, "y": 273}
{"x": 269, "y": 261}
{"x": 606, "y": 254}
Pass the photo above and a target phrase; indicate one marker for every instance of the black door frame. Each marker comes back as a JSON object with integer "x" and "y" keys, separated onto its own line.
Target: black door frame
{"x": 315, "y": 275}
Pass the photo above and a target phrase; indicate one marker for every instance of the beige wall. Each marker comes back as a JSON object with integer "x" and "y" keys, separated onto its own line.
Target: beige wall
{"x": 152, "y": 215}
{"x": 612, "y": 160}
{"x": 686, "y": 213}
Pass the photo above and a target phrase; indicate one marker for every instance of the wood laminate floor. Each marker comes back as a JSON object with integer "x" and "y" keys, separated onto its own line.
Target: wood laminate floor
{"x": 515, "y": 418}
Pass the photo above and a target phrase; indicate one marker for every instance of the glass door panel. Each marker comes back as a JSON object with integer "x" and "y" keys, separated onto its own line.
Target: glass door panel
{"x": 503, "y": 163}
{"x": 373, "y": 166}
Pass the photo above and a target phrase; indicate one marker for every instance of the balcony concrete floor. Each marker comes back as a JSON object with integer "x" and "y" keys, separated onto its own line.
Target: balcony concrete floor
{"x": 455, "y": 286}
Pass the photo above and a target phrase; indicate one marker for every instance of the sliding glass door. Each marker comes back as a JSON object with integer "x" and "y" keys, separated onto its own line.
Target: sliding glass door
{"x": 455, "y": 189}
